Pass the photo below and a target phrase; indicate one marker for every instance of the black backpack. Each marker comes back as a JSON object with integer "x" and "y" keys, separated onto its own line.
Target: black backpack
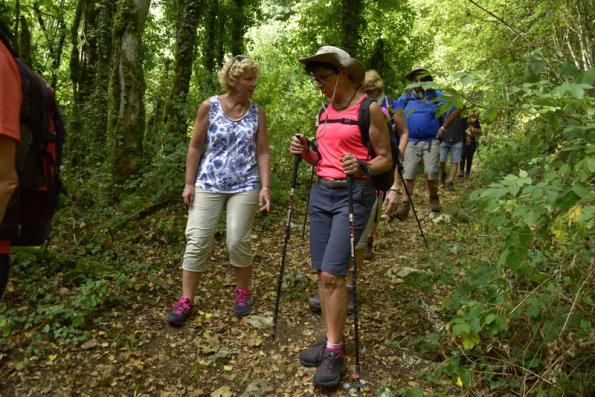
{"x": 384, "y": 181}
{"x": 29, "y": 213}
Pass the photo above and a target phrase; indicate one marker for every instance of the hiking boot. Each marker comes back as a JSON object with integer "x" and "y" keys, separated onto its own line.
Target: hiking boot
{"x": 403, "y": 210}
{"x": 330, "y": 369}
{"x": 312, "y": 356}
{"x": 314, "y": 303}
{"x": 435, "y": 204}
{"x": 368, "y": 252}
{"x": 450, "y": 186}
{"x": 182, "y": 309}
{"x": 443, "y": 178}
{"x": 461, "y": 175}
{"x": 243, "y": 303}
{"x": 466, "y": 175}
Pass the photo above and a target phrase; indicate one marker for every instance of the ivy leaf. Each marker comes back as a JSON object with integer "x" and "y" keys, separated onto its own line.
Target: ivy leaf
{"x": 470, "y": 340}
{"x": 581, "y": 190}
{"x": 459, "y": 329}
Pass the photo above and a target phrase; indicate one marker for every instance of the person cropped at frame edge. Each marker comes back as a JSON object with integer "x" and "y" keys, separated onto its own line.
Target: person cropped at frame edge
{"x": 10, "y": 134}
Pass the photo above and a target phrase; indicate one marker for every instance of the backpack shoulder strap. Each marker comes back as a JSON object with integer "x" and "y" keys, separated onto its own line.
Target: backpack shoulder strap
{"x": 26, "y": 132}
{"x": 363, "y": 121}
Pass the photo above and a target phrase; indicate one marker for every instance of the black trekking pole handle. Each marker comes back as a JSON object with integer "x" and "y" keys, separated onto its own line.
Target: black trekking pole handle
{"x": 399, "y": 169}
{"x": 296, "y": 164}
{"x": 356, "y": 375}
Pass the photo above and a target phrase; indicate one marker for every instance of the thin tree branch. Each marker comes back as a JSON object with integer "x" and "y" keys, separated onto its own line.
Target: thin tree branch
{"x": 519, "y": 34}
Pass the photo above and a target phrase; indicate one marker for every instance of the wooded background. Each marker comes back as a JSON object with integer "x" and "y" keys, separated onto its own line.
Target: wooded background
{"x": 130, "y": 75}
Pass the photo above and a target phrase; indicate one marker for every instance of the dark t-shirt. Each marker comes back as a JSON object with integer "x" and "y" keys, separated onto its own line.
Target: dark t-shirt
{"x": 456, "y": 131}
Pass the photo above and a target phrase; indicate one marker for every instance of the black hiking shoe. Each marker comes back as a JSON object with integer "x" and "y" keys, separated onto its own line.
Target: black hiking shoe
{"x": 243, "y": 304}
{"x": 443, "y": 179}
{"x": 330, "y": 370}
{"x": 182, "y": 309}
{"x": 435, "y": 204}
{"x": 450, "y": 186}
{"x": 312, "y": 356}
{"x": 314, "y": 303}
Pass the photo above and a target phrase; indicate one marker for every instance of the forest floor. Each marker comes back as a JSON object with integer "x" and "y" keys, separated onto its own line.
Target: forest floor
{"x": 132, "y": 351}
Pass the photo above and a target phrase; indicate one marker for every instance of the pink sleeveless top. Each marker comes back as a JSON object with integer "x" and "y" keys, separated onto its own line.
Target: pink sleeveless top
{"x": 335, "y": 139}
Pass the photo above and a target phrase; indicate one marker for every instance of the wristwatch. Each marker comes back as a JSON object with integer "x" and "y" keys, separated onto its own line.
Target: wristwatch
{"x": 366, "y": 169}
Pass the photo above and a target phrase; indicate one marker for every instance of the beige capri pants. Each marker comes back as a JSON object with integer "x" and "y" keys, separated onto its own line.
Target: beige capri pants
{"x": 203, "y": 218}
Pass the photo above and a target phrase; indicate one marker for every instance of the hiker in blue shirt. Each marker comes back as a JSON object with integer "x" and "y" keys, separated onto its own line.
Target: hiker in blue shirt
{"x": 425, "y": 131}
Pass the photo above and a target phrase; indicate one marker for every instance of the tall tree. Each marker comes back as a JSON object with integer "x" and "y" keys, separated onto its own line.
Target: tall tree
{"x": 187, "y": 20}
{"x": 127, "y": 86}
{"x": 352, "y": 23}
{"x": 91, "y": 37}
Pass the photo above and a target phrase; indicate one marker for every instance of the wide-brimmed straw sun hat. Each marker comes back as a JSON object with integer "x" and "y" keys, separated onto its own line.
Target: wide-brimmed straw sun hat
{"x": 415, "y": 71}
{"x": 339, "y": 58}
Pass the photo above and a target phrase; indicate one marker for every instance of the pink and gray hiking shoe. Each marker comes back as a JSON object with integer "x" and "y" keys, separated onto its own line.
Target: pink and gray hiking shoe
{"x": 182, "y": 309}
{"x": 243, "y": 303}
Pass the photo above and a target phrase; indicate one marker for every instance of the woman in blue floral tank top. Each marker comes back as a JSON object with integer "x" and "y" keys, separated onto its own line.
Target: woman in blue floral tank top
{"x": 228, "y": 167}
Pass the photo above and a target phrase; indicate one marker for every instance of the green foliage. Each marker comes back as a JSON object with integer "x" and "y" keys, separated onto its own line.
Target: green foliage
{"x": 524, "y": 309}
{"x": 519, "y": 314}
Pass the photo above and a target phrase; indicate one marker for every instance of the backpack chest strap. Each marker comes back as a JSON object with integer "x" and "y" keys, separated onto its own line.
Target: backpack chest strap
{"x": 341, "y": 121}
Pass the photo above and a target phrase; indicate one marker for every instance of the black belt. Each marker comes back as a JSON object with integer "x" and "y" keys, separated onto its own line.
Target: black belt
{"x": 338, "y": 183}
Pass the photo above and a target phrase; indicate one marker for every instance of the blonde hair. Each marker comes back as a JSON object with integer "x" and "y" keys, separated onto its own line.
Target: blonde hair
{"x": 372, "y": 81}
{"x": 234, "y": 68}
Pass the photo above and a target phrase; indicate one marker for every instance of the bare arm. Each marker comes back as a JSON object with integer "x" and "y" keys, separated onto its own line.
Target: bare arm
{"x": 195, "y": 147}
{"x": 390, "y": 200}
{"x": 380, "y": 140}
{"x": 263, "y": 159}
{"x": 448, "y": 121}
{"x": 8, "y": 174}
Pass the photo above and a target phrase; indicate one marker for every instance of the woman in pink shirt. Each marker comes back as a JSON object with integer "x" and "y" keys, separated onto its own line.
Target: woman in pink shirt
{"x": 340, "y": 154}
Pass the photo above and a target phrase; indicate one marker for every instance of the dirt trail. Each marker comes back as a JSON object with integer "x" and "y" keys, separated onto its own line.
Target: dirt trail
{"x": 134, "y": 352}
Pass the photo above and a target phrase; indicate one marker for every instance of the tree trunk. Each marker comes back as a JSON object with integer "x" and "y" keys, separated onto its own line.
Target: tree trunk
{"x": 352, "y": 17}
{"x": 237, "y": 27}
{"x": 188, "y": 17}
{"x": 90, "y": 65}
{"x": 127, "y": 86}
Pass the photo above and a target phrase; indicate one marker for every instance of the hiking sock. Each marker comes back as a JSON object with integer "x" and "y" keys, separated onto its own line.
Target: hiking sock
{"x": 334, "y": 347}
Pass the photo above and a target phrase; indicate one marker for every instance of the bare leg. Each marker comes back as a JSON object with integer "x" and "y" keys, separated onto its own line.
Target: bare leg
{"x": 190, "y": 281}
{"x": 409, "y": 183}
{"x": 432, "y": 187}
{"x": 243, "y": 275}
{"x": 333, "y": 301}
{"x": 454, "y": 167}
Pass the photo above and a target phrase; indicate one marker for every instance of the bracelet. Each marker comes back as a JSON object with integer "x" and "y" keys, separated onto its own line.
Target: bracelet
{"x": 265, "y": 188}
{"x": 392, "y": 189}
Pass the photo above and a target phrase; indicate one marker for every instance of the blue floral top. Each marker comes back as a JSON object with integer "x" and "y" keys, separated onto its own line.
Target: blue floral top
{"x": 229, "y": 162}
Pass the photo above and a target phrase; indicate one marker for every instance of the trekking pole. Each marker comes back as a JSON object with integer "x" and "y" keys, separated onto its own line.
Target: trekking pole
{"x": 399, "y": 167}
{"x": 296, "y": 163}
{"x": 356, "y": 375}
{"x": 307, "y": 204}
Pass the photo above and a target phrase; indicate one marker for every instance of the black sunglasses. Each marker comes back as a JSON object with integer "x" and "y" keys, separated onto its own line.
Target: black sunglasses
{"x": 239, "y": 58}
